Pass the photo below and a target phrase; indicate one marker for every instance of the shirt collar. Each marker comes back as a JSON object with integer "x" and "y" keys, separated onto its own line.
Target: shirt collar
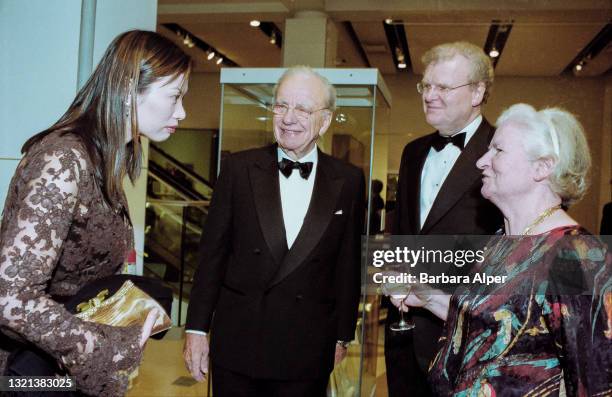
{"x": 470, "y": 129}
{"x": 313, "y": 156}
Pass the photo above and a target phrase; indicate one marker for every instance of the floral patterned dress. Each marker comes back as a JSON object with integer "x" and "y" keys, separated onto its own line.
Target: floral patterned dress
{"x": 57, "y": 235}
{"x": 548, "y": 328}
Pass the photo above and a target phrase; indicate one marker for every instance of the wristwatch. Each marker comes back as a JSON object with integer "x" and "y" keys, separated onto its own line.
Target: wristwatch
{"x": 343, "y": 343}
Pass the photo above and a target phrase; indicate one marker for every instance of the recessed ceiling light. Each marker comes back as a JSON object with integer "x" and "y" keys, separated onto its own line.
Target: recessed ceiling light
{"x": 401, "y": 65}
{"x": 578, "y": 67}
{"x": 494, "y": 53}
{"x": 219, "y": 60}
{"x": 388, "y": 21}
{"x": 211, "y": 55}
{"x": 254, "y": 23}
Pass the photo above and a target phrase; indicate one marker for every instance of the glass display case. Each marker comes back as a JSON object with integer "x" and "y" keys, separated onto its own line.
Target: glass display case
{"x": 355, "y": 135}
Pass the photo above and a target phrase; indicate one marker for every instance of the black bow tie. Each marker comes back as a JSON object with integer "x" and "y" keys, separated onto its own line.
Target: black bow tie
{"x": 439, "y": 142}
{"x": 287, "y": 166}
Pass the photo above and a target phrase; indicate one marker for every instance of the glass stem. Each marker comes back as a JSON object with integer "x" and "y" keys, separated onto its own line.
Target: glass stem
{"x": 401, "y": 312}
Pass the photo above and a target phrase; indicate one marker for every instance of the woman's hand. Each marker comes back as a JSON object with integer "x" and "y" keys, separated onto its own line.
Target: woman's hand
{"x": 410, "y": 300}
{"x": 147, "y": 327}
{"x": 422, "y": 296}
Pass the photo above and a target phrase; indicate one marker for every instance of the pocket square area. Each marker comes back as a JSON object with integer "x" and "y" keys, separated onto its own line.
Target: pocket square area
{"x": 339, "y": 212}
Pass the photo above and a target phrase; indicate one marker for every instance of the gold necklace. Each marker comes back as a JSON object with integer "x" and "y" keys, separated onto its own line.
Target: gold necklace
{"x": 548, "y": 212}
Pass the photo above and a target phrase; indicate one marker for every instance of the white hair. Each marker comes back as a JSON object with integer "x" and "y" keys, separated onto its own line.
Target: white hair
{"x": 554, "y": 133}
{"x": 330, "y": 90}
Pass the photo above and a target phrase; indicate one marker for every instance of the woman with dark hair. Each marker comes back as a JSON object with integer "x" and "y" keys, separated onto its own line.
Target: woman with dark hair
{"x": 66, "y": 221}
{"x": 546, "y": 330}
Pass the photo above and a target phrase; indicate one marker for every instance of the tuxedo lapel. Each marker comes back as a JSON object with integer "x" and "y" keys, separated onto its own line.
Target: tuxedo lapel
{"x": 325, "y": 194}
{"x": 413, "y": 182}
{"x": 461, "y": 177}
{"x": 266, "y": 193}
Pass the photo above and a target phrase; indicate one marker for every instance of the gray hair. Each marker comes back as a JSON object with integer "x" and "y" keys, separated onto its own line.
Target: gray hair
{"x": 330, "y": 90}
{"x": 555, "y": 133}
{"x": 481, "y": 66}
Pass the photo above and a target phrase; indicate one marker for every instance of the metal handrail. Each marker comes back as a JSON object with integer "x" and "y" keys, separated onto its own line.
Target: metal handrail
{"x": 181, "y": 166}
{"x": 180, "y": 203}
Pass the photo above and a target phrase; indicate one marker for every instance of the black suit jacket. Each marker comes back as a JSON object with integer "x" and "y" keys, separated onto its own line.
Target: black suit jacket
{"x": 277, "y": 312}
{"x": 459, "y": 208}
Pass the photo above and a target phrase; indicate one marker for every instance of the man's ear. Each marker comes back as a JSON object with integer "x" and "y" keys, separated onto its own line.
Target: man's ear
{"x": 544, "y": 168}
{"x": 478, "y": 94}
{"x": 326, "y": 121}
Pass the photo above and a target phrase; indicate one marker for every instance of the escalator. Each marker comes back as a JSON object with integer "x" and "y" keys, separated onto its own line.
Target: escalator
{"x": 176, "y": 208}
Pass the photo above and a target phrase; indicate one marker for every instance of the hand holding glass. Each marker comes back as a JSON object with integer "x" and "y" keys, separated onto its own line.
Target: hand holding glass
{"x": 399, "y": 291}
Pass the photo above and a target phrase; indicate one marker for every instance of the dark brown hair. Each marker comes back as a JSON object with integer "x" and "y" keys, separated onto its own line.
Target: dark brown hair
{"x": 132, "y": 62}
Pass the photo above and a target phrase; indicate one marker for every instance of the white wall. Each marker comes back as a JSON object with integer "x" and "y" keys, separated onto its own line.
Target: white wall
{"x": 38, "y": 70}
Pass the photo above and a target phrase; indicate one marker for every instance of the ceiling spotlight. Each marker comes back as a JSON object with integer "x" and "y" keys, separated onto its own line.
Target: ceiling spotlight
{"x": 220, "y": 60}
{"x": 494, "y": 53}
{"x": 254, "y": 23}
{"x": 578, "y": 67}
{"x": 186, "y": 39}
{"x": 273, "y": 38}
{"x": 211, "y": 55}
{"x": 401, "y": 65}
{"x": 341, "y": 118}
{"x": 388, "y": 21}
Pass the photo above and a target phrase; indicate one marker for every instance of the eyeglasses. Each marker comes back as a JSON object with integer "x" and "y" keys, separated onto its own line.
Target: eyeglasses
{"x": 443, "y": 90}
{"x": 299, "y": 112}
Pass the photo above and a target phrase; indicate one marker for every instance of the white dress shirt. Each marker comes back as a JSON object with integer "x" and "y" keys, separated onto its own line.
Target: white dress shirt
{"x": 295, "y": 194}
{"x": 437, "y": 167}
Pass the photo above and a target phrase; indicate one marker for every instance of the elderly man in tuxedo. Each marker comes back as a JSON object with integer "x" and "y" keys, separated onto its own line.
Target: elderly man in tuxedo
{"x": 439, "y": 189}
{"x": 280, "y": 257}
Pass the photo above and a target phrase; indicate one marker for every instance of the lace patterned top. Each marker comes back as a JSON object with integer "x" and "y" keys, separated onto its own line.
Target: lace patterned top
{"x": 57, "y": 235}
{"x": 547, "y": 328}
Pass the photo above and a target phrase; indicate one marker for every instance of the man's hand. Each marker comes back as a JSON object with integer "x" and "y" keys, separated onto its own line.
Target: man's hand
{"x": 195, "y": 354}
{"x": 340, "y": 354}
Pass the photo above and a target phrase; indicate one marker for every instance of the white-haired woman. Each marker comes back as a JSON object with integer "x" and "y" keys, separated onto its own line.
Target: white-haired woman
{"x": 547, "y": 328}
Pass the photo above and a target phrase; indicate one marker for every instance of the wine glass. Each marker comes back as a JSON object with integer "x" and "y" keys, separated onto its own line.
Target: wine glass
{"x": 399, "y": 291}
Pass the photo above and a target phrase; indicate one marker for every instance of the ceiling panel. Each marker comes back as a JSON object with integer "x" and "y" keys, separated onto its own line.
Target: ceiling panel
{"x": 348, "y": 54}
{"x": 374, "y": 42}
{"x": 243, "y": 44}
{"x": 544, "y": 49}
{"x": 600, "y": 64}
{"x": 201, "y": 64}
{"x": 421, "y": 37}
{"x": 546, "y": 34}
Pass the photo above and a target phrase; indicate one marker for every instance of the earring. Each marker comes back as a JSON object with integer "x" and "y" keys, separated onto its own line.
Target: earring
{"x": 128, "y": 104}
{"x": 128, "y": 101}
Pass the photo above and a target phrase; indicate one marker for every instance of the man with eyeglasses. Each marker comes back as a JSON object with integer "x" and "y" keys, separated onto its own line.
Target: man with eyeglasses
{"x": 439, "y": 190}
{"x": 280, "y": 257}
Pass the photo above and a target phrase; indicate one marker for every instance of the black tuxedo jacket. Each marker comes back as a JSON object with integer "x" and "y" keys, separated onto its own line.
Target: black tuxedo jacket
{"x": 459, "y": 208}
{"x": 277, "y": 312}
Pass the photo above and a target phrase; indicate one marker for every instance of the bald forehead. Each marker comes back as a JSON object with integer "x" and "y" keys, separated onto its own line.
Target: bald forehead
{"x": 305, "y": 82}
{"x": 457, "y": 65}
